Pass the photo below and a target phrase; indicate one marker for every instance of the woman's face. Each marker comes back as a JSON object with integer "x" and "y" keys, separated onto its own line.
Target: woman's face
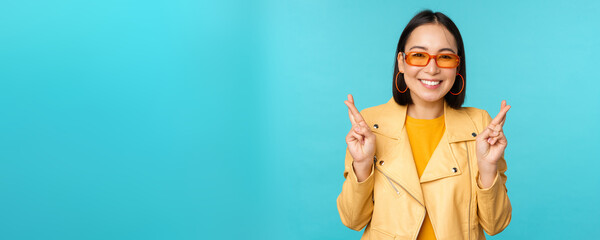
{"x": 429, "y": 83}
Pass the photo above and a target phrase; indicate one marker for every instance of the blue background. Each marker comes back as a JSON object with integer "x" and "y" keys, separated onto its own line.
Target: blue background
{"x": 225, "y": 119}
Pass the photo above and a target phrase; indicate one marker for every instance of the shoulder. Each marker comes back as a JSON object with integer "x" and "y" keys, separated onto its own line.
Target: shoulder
{"x": 375, "y": 112}
{"x": 479, "y": 116}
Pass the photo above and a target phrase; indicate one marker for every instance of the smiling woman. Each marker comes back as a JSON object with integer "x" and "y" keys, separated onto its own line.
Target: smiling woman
{"x": 430, "y": 32}
{"x": 421, "y": 166}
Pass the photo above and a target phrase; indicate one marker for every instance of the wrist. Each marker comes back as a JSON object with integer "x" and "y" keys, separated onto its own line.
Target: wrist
{"x": 362, "y": 165}
{"x": 487, "y": 168}
{"x": 486, "y": 180}
{"x": 362, "y": 170}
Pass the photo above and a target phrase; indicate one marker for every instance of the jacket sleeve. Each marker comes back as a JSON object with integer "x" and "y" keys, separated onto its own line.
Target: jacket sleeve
{"x": 355, "y": 203}
{"x": 493, "y": 206}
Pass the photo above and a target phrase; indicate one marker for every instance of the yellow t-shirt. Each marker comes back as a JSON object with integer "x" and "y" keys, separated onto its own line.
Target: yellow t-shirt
{"x": 424, "y": 136}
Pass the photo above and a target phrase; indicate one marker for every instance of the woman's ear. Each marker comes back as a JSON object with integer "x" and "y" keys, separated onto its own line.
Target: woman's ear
{"x": 400, "y": 62}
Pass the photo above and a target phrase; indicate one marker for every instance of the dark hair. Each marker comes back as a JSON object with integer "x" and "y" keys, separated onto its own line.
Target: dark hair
{"x": 425, "y": 17}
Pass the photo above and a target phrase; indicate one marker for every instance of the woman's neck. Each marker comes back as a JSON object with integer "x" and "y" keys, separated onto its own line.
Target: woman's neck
{"x": 426, "y": 110}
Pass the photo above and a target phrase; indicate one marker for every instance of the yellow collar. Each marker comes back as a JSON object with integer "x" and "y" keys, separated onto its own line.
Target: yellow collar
{"x": 459, "y": 126}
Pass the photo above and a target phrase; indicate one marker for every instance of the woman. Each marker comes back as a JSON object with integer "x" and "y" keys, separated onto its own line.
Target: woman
{"x": 421, "y": 166}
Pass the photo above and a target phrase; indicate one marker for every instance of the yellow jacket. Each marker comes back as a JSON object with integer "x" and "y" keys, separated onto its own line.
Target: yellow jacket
{"x": 392, "y": 201}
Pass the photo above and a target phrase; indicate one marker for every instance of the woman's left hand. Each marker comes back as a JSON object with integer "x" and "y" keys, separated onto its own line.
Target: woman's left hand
{"x": 490, "y": 147}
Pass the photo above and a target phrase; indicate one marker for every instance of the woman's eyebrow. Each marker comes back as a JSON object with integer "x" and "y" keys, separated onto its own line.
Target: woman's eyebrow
{"x": 424, "y": 48}
{"x": 447, "y": 49}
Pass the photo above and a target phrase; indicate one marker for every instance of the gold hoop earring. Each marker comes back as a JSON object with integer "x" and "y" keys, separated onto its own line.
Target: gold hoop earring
{"x": 396, "y": 81}
{"x": 463, "y": 84}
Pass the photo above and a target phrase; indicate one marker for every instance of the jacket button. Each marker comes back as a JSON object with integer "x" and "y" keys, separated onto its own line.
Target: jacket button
{"x": 474, "y": 134}
{"x": 381, "y": 162}
{"x": 454, "y": 170}
{"x": 376, "y": 126}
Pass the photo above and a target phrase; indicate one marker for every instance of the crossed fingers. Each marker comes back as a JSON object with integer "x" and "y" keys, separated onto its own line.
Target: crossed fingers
{"x": 495, "y": 127}
{"x": 353, "y": 113}
{"x": 501, "y": 117}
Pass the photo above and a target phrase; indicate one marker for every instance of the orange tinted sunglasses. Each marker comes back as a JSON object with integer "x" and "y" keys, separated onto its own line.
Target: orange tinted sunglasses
{"x": 421, "y": 59}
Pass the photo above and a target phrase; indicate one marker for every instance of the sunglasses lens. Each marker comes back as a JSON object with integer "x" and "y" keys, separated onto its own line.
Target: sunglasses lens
{"x": 447, "y": 60}
{"x": 417, "y": 59}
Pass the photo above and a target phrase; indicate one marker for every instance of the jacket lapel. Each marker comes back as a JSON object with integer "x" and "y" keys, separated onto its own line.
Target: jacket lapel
{"x": 401, "y": 167}
{"x": 443, "y": 162}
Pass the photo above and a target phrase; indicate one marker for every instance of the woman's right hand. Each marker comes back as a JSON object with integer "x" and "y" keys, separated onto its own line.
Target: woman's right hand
{"x": 360, "y": 139}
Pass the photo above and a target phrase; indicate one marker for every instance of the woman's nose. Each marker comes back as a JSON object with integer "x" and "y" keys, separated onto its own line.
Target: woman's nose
{"x": 432, "y": 67}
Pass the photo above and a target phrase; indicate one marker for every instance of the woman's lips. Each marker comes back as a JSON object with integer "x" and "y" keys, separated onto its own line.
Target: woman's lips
{"x": 430, "y": 83}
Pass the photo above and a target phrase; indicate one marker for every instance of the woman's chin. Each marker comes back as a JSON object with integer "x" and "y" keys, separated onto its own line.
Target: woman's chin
{"x": 430, "y": 97}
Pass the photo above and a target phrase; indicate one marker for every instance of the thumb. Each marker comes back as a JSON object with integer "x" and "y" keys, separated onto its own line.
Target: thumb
{"x": 365, "y": 130}
{"x": 483, "y": 136}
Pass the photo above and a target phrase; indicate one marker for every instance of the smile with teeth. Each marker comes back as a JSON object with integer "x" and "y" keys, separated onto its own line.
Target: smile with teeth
{"x": 430, "y": 83}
